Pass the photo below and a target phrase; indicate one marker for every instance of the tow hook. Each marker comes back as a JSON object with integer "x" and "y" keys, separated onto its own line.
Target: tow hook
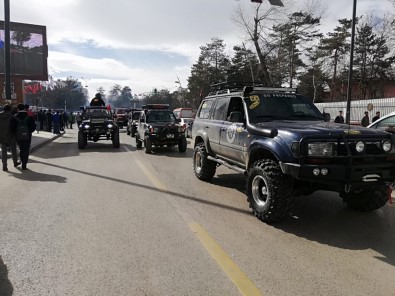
{"x": 347, "y": 188}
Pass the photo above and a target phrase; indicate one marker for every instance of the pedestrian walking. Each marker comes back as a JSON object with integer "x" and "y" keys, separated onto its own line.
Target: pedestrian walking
{"x": 78, "y": 117}
{"x": 48, "y": 120}
{"x": 339, "y": 118}
{"x": 7, "y": 137}
{"x": 23, "y": 125}
{"x": 376, "y": 117}
{"x": 71, "y": 119}
{"x": 365, "y": 119}
{"x": 66, "y": 119}
{"x": 56, "y": 118}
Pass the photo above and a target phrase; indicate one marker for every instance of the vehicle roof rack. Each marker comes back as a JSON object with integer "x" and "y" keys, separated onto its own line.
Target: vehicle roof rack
{"x": 156, "y": 106}
{"x": 232, "y": 86}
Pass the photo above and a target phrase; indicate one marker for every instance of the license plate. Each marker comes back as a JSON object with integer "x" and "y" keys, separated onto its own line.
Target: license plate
{"x": 170, "y": 136}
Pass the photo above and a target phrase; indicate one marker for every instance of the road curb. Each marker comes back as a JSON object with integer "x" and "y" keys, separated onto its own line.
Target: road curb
{"x": 42, "y": 143}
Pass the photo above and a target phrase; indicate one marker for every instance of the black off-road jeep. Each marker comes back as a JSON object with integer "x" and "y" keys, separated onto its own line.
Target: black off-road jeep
{"x": 158, "y": 127}
{"x": 97, "y": 124}
{"x": 286, "y": 147}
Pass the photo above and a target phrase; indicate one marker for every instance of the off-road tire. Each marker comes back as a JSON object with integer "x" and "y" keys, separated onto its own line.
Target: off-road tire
{"x": 148, "y": 145}
{"x": 133, "y": 133}
{"x": 128, "y": 131}
{"x": 81, "y": 140}
{"x": 115, "y": 139}
{"x": 269, "y": 191}
{"x": 367, "y": 200}
{"x": 182, "y": 144}
{"x": 204, "y": 168}
{"x": 139, "y": 144}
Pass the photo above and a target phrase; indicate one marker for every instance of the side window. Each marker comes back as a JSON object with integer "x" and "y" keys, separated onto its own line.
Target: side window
{"x": 387, "y": 122}
{"x": 221, "y": 108}
{"x": 235, "y": 105}
{"x": 205, "y": 109}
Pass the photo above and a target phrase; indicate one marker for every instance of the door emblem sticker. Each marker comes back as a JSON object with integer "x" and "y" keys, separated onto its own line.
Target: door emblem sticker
{"x": 231, "y": 133}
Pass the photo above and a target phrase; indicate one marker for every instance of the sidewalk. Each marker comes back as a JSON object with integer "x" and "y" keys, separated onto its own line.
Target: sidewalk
{"x": 41, "y": 138}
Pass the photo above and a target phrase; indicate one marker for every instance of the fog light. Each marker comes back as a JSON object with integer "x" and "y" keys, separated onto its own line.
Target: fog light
{"x": 324, "y": 171}
{"x": 316, "y": 172}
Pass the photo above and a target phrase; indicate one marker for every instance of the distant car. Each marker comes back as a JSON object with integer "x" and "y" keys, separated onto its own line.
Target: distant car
{"x": 385, "y": 123}
{"x": 186, "y": 123}
{"x": 133, "y": 122}
{"x": 121, "y": 116}
{"x": 183, "y": 113}
{"x": 159, "y": 127}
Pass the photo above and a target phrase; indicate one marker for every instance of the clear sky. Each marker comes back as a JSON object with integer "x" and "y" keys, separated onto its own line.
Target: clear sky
{"x": 144, "y": 44}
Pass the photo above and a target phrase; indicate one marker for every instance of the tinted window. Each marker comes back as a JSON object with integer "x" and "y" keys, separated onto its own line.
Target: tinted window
{"x": 221, "y": 108}
{"x": 205, "y": 109}
{"x": 387, "y": 122}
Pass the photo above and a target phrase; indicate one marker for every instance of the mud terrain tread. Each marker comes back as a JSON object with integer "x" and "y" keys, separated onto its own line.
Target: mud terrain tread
{"x": 280, "y": 187}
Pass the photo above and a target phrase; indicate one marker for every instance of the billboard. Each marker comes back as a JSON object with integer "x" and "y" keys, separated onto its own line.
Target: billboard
{"x": 28, "y": 51}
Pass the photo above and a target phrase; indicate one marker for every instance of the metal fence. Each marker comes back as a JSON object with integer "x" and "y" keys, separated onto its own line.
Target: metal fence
{"x": 358, "y": 108}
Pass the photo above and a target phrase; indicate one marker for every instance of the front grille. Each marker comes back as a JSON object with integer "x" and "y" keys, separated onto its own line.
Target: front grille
{"x": 97, "y": 120}
{"x": 372, "y": 148}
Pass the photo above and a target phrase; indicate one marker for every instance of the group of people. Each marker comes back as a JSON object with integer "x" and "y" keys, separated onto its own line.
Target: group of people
{"x": 364, "y": 121}
{"x": 16, "y": 129}
{"x": 54, "y": 121}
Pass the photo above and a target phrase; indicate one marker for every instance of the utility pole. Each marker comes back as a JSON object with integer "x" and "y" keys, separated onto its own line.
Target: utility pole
{"x": 349, "y": 88}
{"x": 7, "y": 63}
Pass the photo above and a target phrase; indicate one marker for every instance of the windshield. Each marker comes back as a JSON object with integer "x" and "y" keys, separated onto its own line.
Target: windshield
{"x": 136, "y": 115}
{"x": 97, "y": 113}
{"x": 268, "y": 107}
{"x": 160, "y": 116}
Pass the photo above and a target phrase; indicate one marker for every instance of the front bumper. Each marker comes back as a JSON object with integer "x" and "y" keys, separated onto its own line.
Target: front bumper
{"x": 363, "y": 175}
{"x": 164, "y": 138}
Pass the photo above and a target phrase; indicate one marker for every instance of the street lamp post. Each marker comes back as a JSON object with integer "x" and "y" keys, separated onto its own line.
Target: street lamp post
{"x": 351, "y": 63}
{"x": 181, "y": 91}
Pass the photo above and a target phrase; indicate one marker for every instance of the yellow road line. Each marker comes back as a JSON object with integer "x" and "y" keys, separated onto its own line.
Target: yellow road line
{"x": 158, "y": 184}
{"x": 242, "y": 282}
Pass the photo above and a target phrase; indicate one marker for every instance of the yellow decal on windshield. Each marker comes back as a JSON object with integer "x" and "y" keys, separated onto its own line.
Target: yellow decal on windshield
{"x": 255, "y": 101}
{"x": 352, "y": 132}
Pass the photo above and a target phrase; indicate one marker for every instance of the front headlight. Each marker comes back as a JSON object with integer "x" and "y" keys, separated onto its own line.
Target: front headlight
{"x": 387, "y": 146}
{"x": 109, "y": 125}
{"x": 86, "y": 126}
{"x": 360, "y": 146}
{"x": 320, "y": 149}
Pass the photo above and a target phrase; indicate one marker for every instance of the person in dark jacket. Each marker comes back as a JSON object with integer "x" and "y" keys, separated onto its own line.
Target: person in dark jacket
{"x": 97, "y": 101}
{"x": 7, "y": 138}
{"x": 377, "y": 117}
{"x": 24, "y": 145}
{"x": 339, "y": 118}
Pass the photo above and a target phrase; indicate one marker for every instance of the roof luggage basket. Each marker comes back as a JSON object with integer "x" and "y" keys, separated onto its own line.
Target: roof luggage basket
{"x": 234, "y": 86}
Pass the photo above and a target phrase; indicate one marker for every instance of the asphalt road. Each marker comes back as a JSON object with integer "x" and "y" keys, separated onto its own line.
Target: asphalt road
{"x": 105, "y": 221}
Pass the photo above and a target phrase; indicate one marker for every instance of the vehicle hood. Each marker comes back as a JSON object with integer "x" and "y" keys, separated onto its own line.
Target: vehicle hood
{"x": 299, "y": 129}
{"x": 167, "y": 125}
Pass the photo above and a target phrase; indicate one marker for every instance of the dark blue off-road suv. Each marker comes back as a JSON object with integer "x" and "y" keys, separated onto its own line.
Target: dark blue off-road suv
{"x": 287, "y": 147}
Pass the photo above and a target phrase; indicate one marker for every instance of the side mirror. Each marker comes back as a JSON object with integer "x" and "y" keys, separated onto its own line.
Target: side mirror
{"x": 327, "y": 117}
{"x": 236, "y": 116}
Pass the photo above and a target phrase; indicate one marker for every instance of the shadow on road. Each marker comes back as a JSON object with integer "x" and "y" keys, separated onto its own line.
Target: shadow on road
{"x": 6, "y": 288}
{"x": 175, "y": 194}
{"x": 30, "y": 175}
{"x": 324, "y": 218}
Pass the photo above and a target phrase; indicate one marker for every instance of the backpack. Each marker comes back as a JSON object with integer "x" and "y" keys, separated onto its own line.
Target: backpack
{"x": 22, "y": 130}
